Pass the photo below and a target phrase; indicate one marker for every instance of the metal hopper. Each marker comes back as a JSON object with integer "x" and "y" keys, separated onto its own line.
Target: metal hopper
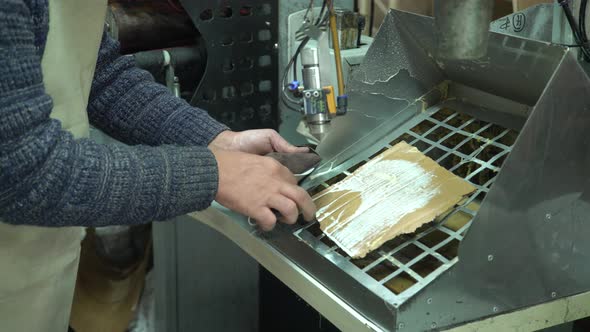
{"x": 512, "y": 124}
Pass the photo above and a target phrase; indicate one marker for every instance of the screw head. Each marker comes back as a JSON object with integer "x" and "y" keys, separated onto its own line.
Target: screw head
{"x": 495, "y": 309}
{"x": 401, "y": 325}
{"x": 433, "y": 325}
{"x": 553, "y": 294}
{"x": 429, "y": 301}
{"x": 548, "y": 216}
{"x": 490, "y": 258}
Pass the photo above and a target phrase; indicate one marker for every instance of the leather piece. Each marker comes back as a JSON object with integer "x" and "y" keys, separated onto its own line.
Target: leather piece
{"x": 297, "y": 163}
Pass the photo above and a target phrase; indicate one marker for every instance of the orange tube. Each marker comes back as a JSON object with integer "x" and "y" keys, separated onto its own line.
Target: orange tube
{"x": 337, "y": 56}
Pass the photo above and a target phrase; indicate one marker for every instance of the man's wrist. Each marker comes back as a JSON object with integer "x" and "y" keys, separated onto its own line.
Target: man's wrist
{"x": 223, "y": 141}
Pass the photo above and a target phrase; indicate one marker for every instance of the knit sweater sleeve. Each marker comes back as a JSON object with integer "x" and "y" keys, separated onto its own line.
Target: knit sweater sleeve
{"x": 48, "y": 178}
{"x": 126, "y": 103}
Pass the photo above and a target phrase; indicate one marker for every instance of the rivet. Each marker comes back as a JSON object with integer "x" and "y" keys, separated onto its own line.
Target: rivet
{"x": 553, "y": 294}
{"x": 429, "y": 301}
{"x": 490, "y": 258}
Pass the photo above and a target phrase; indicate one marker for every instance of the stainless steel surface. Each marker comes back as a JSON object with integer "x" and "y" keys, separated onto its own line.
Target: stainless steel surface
{"x": 543, "y": 22}
{"x": 462, "y": 28}
{"x": 217, "y": 281}
{"x": 311, "y": 68}
{"x": 538, "y": 210}
{"x": 257, "y": 245}
{"x": 311, "y": 77}
{"x": 195, "y": 284}
{"x": 310, "y": 57}
{"x": 535, "y": 318}
{"x": 318, "y": 125}
{"x": 532, "y": 23}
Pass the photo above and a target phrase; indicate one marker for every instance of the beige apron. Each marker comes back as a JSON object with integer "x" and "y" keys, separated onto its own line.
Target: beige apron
{"x": 38, "y": 265}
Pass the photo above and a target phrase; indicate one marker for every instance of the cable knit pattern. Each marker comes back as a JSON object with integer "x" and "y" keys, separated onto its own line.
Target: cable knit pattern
{"x": 48, "y": 178}
{"x": 127, "y": 104}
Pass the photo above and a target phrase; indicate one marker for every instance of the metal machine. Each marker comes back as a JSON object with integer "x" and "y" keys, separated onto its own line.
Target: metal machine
{"x": 512, "y": 123}
{"x": 318, "y": 102}
{"x": 322, "y": 40}
{"x": 505, "y": 108}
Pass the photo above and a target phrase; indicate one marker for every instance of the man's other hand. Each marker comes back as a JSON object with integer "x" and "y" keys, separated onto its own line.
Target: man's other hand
{"x": 253, "y": 185}
{"x": 261, "y": 142}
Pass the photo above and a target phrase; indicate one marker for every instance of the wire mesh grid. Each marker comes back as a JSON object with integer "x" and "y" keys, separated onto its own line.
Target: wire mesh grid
{"x": 466, "y": 146}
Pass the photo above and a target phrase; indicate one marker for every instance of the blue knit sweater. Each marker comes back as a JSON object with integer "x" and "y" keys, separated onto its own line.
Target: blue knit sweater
{"x": 48, "y": 178}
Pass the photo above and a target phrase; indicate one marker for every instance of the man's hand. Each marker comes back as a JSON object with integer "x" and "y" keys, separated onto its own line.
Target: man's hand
{"x": 259, "y": 142}
{"x": 253, "y": 185}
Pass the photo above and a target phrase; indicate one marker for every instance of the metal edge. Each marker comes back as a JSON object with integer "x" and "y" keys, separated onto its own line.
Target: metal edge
{"x": 534, "y": 318}
{"x": 339, "y": 312}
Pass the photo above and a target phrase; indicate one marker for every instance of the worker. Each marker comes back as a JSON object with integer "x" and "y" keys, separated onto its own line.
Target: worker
{"x": 58, "y": 73}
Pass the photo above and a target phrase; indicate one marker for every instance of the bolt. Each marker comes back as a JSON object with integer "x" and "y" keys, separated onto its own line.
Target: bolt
{"x": 548, "y": 216}
{"x": 429, "y": 301}
{"x": 490, "y": 258}
{"x": 495, "y": 309}
{"x": 401, "y": 326}
{"x": 553, "y": 294}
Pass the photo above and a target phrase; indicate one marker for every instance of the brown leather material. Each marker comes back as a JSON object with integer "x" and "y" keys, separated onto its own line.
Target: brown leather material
{"x": 297, "y": 163}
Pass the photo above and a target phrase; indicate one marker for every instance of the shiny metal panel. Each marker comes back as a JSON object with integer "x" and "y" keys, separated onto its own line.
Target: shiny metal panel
{"x": 535, "y": 23}
{"x": 311, "y": 70}
{"x": 528, "y": 243}
{"x": 462, "y": 28}
{"x": 543, "y": 22}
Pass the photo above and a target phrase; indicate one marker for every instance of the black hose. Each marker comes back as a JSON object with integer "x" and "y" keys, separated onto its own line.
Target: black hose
{"x": 321, "y": 12}
{"x": 575, "y": 29}
{"x": 582, "y": 20}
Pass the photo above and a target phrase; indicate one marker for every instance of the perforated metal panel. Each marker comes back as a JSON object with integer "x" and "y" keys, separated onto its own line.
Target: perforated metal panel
{"x": 239, "y": 87}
